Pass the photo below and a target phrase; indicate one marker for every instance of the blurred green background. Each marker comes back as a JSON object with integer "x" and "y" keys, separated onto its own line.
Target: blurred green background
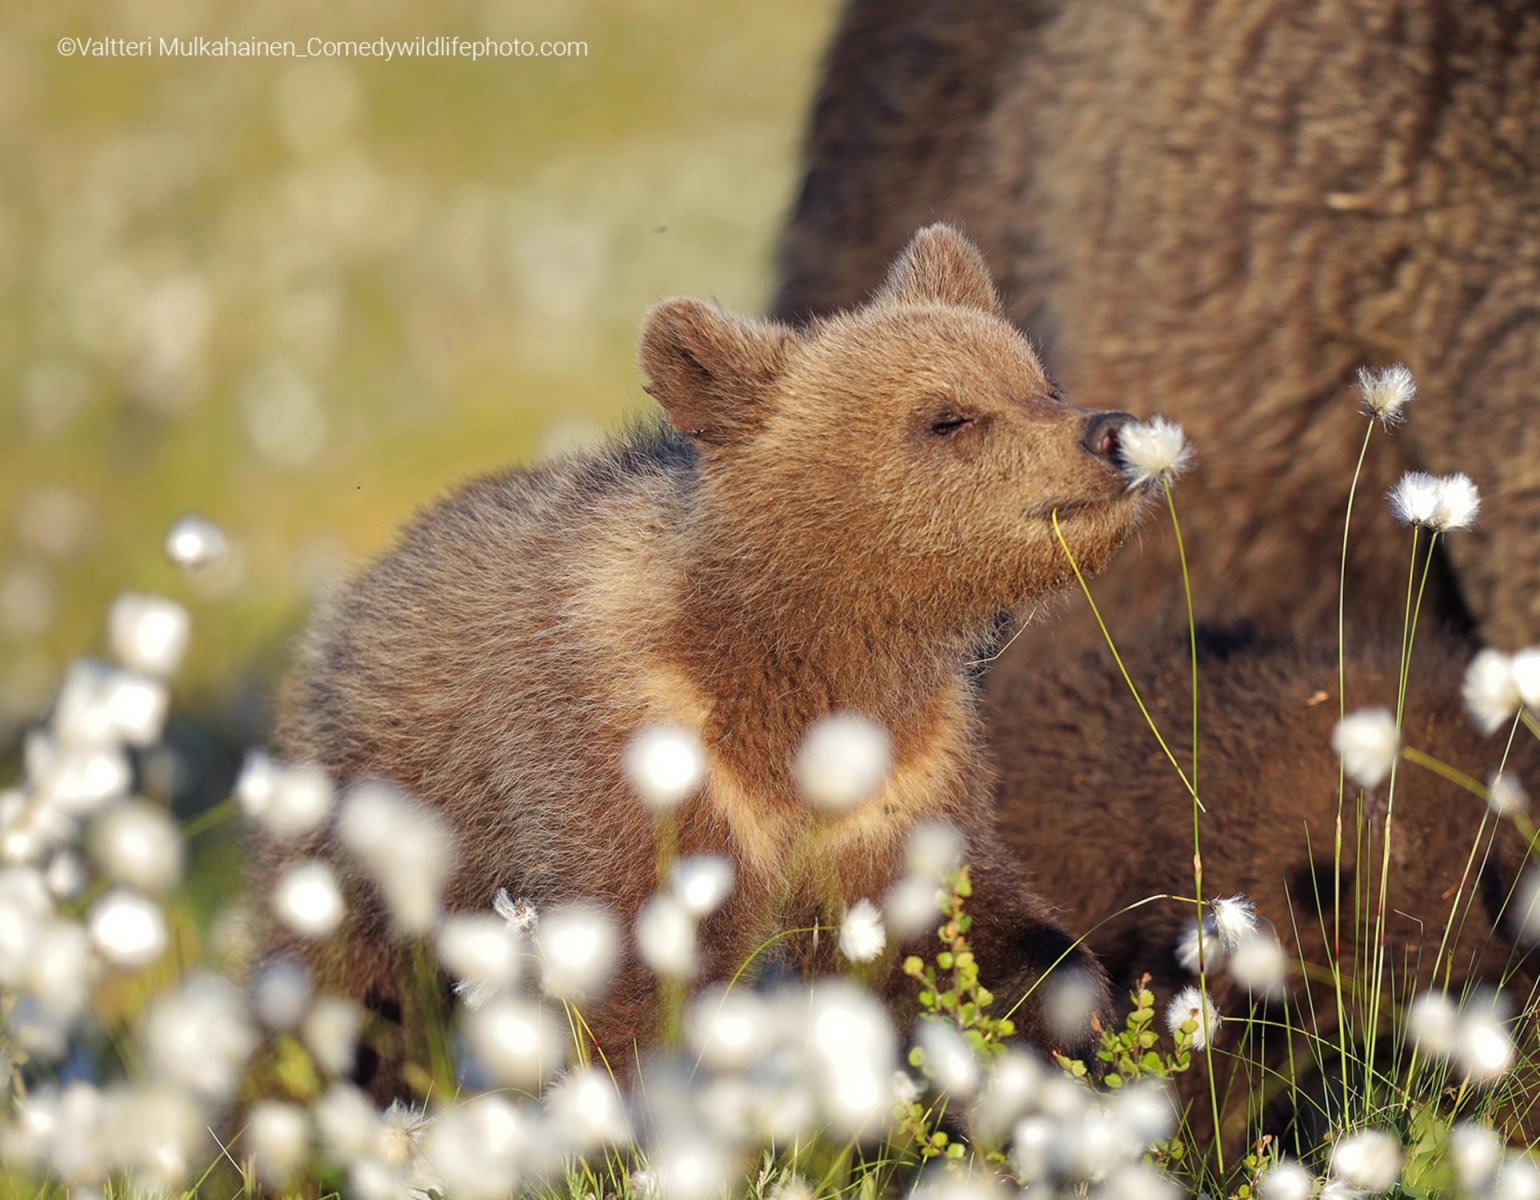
{"x": 304, "y": 296}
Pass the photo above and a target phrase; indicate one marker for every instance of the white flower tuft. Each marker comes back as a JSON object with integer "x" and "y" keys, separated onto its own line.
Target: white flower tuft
{"x": 1526, "y": 676}
{"x": 1484, "y": 1049}
{"x": 1506, "y": 796}
{"x": 1156, "y": 449}
{"x": 1369, "y": 1159}
{"x": 1235, "y": 918}
{"x": 405, "y": 847}
{"x": 288, "y": 801}
{"x": 1459, "y": 503}
{"x": 579, "y": 948}
{"x": 1070, "y": 998}
{"x": 665, "y": 937}
{"x": 198, "y": 1037}
{"x": 702, "y": 882}
{"x": 1386, "y": 392}
{"x": 129, "y": 930}
{"x": 1200, "y": 946}
{"x": 278, "y": 1136}
{"x": 147, "y": 633}
{"x": 1414, "y": 499}
{"x": 517, "y": 1042}
{"x": 520, "y": 914}
{"x": 481, "y": 953}
{"x": 1433, "y": 1025}
{"x": 912, "y": 907}
{"x": 843, "y": 761}
{"x": 949, "y": 1060}
{"x": 1443, "y": 504}
{"x": 589, "y": 1111}
{"x": 1490, "y": 692}
{"x": 1368, "y": 743}
{"x": 1192, "y": 1006}
{"x": 1476, "y": 1153}
{"x": 308, "y": 900}
{"x": 1260, "y": 965}
{"x": 194, "y": 542}
{"x": 139, "y": 845}
{"x": 1286, "y": 1181}
{"x": 664, "y": 764}
{"x": 933, "y": 850}
{"x": 330, "y": 1032}
{"x": 862, "y": 937}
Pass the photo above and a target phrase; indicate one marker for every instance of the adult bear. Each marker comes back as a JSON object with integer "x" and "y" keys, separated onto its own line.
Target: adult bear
{"x": 1221, "y": 210}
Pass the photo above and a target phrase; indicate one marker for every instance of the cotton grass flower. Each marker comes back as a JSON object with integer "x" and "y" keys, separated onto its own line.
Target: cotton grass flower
{"x": 147, "y": 633}
{"x": 128, "y": 929}
{"x": 330, "y": 1032}
{"x": 1489, "y": 690}
{"x": 664, "y": 764}
{"x": 1444, "y": 504}
{"x": 702, "y": 882}
{"x": 1476, "y": 1154}
{"x": 949, "y": 1061}
{"x": 588, "y": 1110}
{"x": 850, "y": 1053}
{"x": 1369, "y": 1159}
{"x": 1193, "y": 1007}
{"x": 195, "y": 542}
{"x": 579, "y": 949}
{"x": 862, "y": 937}
{"x": 521, "y": 914}
{"x": 1260, "y": 965}
{"x": 138, "y": 844}
{"x": 1200, "y": 946}
{"x": 1526, "y": 676}
{"x": 308, "y": 899}
{"x": 1386, "y": 392}
{"x": 728, "y": 1028}
{"x": 912, "y": 907}
{"x": 1484, "y": 1048}
{"x": 517, "y": 1042}
{"x": 1070, "y": 1000}
{"x": 843, "y": 761}
{"x": 1459, "y": 503}
{"x": 1506, "y": 796}
{"x": 476, "y": 1147}
{"x": 280, "y": 994}
{"x": 1235, "y": 919}
{"x": 405, "y": 847}
{"x": 1433, "y": 1025}
{"x": 287, "y": 801}
{"x": 1368, "y": 743}
{"x": 278, "y": 1140}
{"x": 1414, "y": 498}
{"x": 933, "y": 850}
{"x": 198, "y": 1037}
{"x": 1286, "y": 1181}
{"x": 666, "y": 937}
{"x": 482, "y": 953}
{"x": 1151, "y": 450}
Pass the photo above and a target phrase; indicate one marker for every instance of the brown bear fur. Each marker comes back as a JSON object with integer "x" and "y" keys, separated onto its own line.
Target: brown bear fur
{"x": 1089, "y": 800}
{"x": 1219, "y": 212}
{"x": 831, "y": 524}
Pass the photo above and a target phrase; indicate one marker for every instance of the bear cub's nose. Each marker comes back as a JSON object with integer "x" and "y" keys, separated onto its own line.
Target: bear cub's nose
{"x": 1101, "y": 435}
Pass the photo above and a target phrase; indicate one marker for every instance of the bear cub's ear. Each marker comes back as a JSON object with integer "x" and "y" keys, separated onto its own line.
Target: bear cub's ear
{"x": 711, "y": 371}
{"x": 940, "y": 266}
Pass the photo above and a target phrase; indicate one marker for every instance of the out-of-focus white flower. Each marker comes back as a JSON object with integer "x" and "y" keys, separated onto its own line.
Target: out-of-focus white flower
{"x": 1433, "y": 1025}
{"x": 843, "y": 761}
{"x": 280, "y": 993}
{"x": 1200, "y": 946}
{"x": 665, "y": 937}
{"x": 1526, "y": 907}
{"x": 727, "y": 1027}
{"x": 1260, "y": 965}
{"x": 517, "y": 1042}
{"x": 912, "y": 907}
{"x": 1526, "y": 675}
{"x": 349, "y": 1125}
{"x": 702, "y": 882}
{"x": 308, "y": 899}
{"x": 482, "y": 953}
{"x": 138, "y": 844}
{"x": 147, "y": 633}
{"x": 1156, "y": 449}
{"x": 1517, "y": 1179}
{"x": 1070, "y": 997}
{"x": 1286, "y": 1181}
{"x": 405, "y": 847}
{"x": 278, "y": 1136}
{"x": 1414, "y": 499}
{"x": 1484, "y": 1048}
{"x": 1386, "y": 392}
{"x": 330, "y": 1032}
{"x": 1191, "y": 1005}
{"x": 288, "y": 801}
{"x": 933, "y": 850}
{"x": 24, "y": 907}
{"x": 75, "y": 780}
{"x": 101, "y": 705}
{"x": 690, "y": 1168}
{"x": 1369, "y": 1159}
{"x": 862, "y": 937}
{"x": 193, "y": 542}
{"x": 588, "y": 1111}
{"x": 1035, "y": 1149}
{"x": 1459, "y": 503}
{"x": 128, "y": 929}
{"x": 1506, "y": 796}
{"x": 1010, "y": 1091}
{"x": 949, "y": 1060}
{"x": 664, "y": 764}
{"x": 1490, "y": 693}
{"x": 476, "y": 1147}
{"x": 60, "y": 970}
{"x": 850, "y": 1054}
{"x": 1235, "y": 918}
{"x": 520, "y": 914}
{"x": 199, "y": 1038}
{"x": 579, "y": 949}
{"x": 1368, "y": 743}
{"x": 157, "y": 1136}
{"x": 66, "y": 875}
{"x": 1476, "y": 1153}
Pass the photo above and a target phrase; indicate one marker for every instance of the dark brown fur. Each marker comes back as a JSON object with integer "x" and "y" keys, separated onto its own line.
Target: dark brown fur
{"x": 809, "y": 546}
{"x": 1218, "y": 212}
{"x": 1088, "y": 798}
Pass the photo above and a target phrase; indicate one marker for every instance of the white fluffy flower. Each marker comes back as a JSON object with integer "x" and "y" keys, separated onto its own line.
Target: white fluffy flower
{"x": 147, "y": 633}
{"x": 912, "y": 907}
{"x": 330, "y": 1033}
{"x": 520, "y": 914}
{"x": 128, "y": 929}
{"x": 1476, "y": 1153}
{"x": 1386, "y": 392}
{"x": 843, "y": 761}
{"x": 517, "y": 1042}
{"x": 1506, "y": 796}
{"x": 481, "y": 953}
{"x": 1491, "y": 695}
{"x": 278, "y": 1137}
{"x": 1201, "y": 946}
{"x": 1153, "y": 449}
{"x": 728, "y": 1027}
{"x": 1484, "y": 1047}
{"x": 851, "y": 1053}
{"x": 199, "y": 1037}
{"x": 286, "y": 800}
{"x": 588, "y": 1110}
{"x": 1191, "y": 1005}
{"x": 280, "y": 993}
{"x": 665, "y": 937}
{"x": 1286, "y": 1181}
{"x": 194, "y": 542}
{"x": 664, "y": 764}
{"x": 1414, "y": 499}
{"x": 104, "y": 706}
{"x": 1433, "y": 1025}
{"x": 1070, "y": 997}
{"x": 308, "y": 899}
{"x": 1235, "y": 918}
{"x": 1459, "y": 503}
{"x": 1526, "y": 675}
{"x": 862, "y": 937}
{"x": 1369, "y": 1159}
{"x": 1368, "y": 743}
{"x": 476, "y": 1147}
{"x": 406, "y": 849}
{"x": 138, "y": 844}
{"x": 949, "y": 1060}
{"x": 1259, "y": 964}
{"x": 933, "y": 850}
{"x": 702, "y": 882}
{"x": 579, "y": 948}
